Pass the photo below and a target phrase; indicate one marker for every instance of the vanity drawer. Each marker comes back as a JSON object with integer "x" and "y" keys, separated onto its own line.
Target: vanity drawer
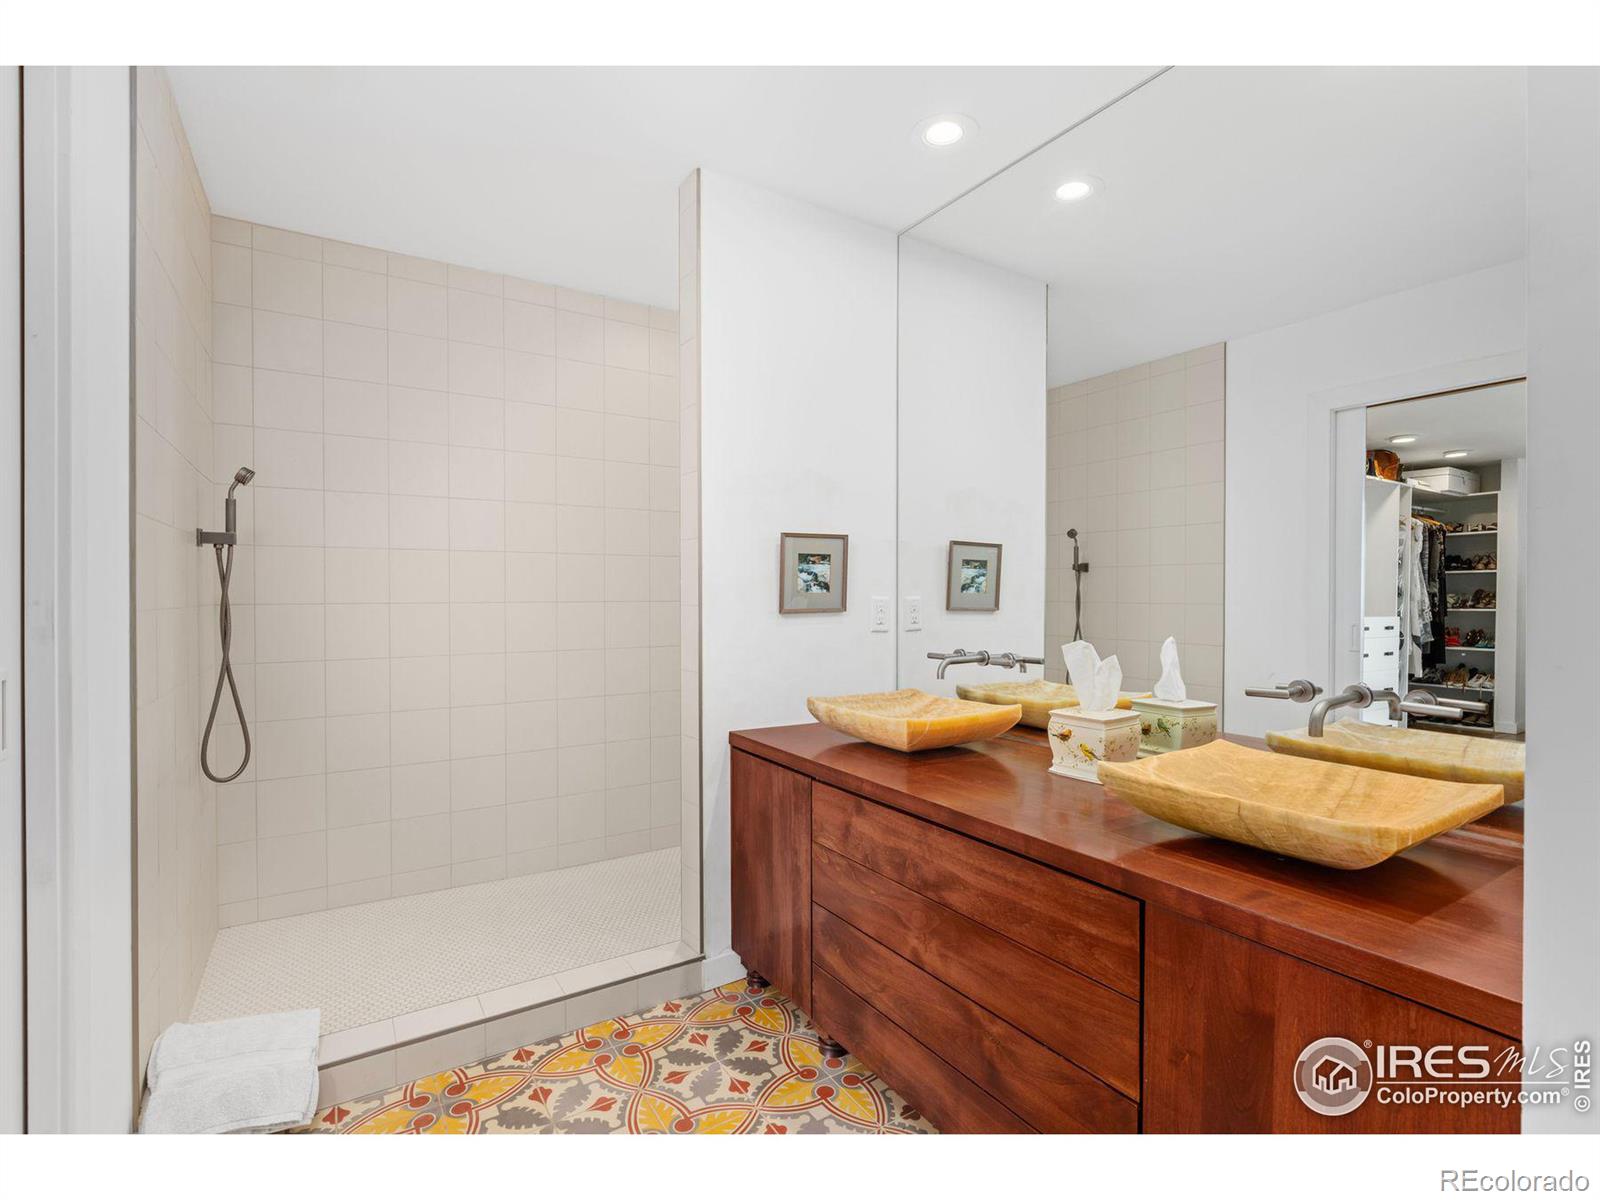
{"x": 1044, "y": 1089}
{"x": 1085, "y": 1021}
{"x": 1081, "y": 925}
{"x": 946, "y": 1097}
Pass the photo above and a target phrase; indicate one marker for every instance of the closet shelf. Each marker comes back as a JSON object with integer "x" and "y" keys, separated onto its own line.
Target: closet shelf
{"x": 1454, "y": 687}
{"x": 1470, "y": 570}
{"x": 1470, "y": 532}
{"x": 1471, "y": 649}
{"x": 1472, "y": 610}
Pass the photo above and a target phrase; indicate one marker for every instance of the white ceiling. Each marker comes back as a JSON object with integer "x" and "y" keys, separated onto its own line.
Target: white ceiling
{"x": 1490, "y": 422}
{"x": 1242, "y": 199}
{"x": 569, "y": 175}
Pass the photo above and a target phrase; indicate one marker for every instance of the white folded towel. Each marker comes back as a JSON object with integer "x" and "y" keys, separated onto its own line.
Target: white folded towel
{"x": 249, "y": 1074}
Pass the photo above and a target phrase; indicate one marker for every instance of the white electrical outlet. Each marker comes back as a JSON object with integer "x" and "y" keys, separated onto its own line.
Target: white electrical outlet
{"x": 880, "y": 614}
{"x": 913, "y": 614}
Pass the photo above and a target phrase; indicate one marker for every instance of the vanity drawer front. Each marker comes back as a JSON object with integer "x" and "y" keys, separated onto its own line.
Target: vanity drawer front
{"x": 946, "y": 1097}
{"x": 1044, "y": 1089}
{"x": 1085, "y": 1021}
{"x": 1089, "y": 928}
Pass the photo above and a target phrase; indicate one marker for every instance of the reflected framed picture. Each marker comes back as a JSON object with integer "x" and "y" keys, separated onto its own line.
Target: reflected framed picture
{"x": 973, "y": 577}
{"x": 813, "y": 570}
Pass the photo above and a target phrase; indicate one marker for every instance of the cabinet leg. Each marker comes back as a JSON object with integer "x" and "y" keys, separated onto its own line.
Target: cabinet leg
{"x": 756, "y": 979}
{"x": 830, "y": 1047}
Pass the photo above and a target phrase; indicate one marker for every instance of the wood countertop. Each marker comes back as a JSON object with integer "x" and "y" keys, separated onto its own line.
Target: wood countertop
{"x": 1440, "y": 924}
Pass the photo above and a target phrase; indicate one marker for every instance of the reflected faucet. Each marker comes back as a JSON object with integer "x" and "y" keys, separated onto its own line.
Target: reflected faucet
{"x": 983, "y": 658}
{"x": 1417, "y": 703}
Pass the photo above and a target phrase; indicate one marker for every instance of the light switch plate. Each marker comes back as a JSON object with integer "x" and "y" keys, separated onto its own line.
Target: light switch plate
{"x": 880, "y": 614}
{"x": 913, "y": 620}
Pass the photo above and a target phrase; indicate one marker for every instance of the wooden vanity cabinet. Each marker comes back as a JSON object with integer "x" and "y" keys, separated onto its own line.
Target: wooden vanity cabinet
{"x": 770, "y": 833}
{"x": 972, "y": 930}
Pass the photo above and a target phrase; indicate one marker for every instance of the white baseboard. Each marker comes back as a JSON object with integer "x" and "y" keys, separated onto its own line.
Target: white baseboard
{"x": 722, "y": 967}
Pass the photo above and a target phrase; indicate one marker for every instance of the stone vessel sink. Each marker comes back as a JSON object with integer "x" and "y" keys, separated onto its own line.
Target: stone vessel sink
{"x": 1037, "y": 697}
{"x": 1424, "y": 752}
{"x": 912, "y": 720}
{"x": 1322, "y": 812}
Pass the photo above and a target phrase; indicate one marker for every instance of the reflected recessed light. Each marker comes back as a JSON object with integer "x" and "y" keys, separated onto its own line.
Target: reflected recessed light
{"x": 1075, "y": 189}
{"x": 1457, "y": 453}
{"x": 1402, "y": 439}
{"x": 943, "y": 131}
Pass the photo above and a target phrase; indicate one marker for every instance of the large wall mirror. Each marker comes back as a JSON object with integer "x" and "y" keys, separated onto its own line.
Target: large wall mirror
{"x": 1141, "y": 371}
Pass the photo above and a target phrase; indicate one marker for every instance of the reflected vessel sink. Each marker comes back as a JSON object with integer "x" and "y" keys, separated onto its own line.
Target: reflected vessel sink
{"x": 1423, "y": 752}
{"x": 1322, "y": 812}
{"x": 912, "y": 720}
{"x": 1037, "y": 697}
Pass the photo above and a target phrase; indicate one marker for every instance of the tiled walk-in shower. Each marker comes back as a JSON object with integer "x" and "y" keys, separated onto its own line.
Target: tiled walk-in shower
{"x": 457, "y": 628}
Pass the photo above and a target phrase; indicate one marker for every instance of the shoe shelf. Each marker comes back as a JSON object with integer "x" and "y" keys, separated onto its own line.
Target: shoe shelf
{"x": 1470, "y": 571}
{"x": 1471, "y": 610}
{"x": 1454, "y": 687}
{"x": 1470, "y": 649}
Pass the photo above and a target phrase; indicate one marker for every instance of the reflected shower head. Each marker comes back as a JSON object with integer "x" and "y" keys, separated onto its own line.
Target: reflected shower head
{"x": 240, "y": 477}
{"x": 1073, "y": 534}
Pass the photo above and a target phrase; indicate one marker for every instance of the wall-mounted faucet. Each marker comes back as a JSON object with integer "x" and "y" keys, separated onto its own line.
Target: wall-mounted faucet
{"x": 983, "y": 658}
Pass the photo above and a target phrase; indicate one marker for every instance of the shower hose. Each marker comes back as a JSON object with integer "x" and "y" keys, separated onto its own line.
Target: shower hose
{"x": 225, "y": 673}
{"x": 1077, "y": 603}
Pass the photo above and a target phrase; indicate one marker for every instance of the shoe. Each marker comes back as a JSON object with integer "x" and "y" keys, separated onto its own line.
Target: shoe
{"x": 1452, "y": 636}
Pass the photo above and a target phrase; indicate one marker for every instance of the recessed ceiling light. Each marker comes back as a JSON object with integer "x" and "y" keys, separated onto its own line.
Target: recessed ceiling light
{"x": 1075, "y": 189}
{"x": 944, "y": 131}
{"x": 1402, "y": 439}
{"x": 1457, "y": 453}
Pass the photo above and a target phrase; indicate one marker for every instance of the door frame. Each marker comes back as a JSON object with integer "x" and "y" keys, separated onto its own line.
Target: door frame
{"x": 77, "y": 745}
{"x": 13, "y": 1018}
{"x": 1335, "y": 465}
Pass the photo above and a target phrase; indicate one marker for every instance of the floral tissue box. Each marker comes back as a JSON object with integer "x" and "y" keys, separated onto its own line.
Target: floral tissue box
{"x": 1080, "y": 741}
{"x": 1174, "y": 724}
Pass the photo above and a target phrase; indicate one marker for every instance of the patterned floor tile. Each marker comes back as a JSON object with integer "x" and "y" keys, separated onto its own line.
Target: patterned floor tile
{"x": 736, "y": 1059}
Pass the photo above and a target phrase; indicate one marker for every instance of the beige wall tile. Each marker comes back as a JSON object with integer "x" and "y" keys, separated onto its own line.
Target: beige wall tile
{"x": 465, "y": 504}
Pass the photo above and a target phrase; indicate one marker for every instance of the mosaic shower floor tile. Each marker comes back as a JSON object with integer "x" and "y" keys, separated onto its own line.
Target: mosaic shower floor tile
{"x": 735, "y": 1059}
{"x": 369, "y": 962}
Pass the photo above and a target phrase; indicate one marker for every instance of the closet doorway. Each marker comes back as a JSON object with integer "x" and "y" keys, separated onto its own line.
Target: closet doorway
{"x": 1442, "y": 577}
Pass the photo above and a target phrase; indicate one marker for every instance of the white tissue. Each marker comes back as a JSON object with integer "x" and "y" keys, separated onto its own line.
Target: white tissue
{"x": 1170, "y": 685}
{"x": 1097, "y": 681}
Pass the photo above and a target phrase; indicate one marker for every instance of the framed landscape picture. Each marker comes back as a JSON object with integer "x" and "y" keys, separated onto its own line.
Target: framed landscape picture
{"x": 813, "y": 569}
{"x": 973, "y": 580}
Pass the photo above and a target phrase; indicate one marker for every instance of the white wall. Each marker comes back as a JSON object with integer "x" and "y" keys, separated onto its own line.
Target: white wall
{"x": 971, "y": 455}
{"x": 1283, "y": 386}
{"x": 797, "y": 318}
{"x": 1561, "y": 976}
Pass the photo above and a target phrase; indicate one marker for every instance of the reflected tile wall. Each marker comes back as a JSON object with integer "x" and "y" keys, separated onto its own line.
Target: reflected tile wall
{"x": 1135, "y": 464}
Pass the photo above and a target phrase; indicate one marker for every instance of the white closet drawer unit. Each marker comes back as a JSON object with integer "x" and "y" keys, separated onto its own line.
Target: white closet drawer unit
{"x": 1380, "y": 627}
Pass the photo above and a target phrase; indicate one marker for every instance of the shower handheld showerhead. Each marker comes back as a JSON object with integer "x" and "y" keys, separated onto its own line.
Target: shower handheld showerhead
{"x": 1078, "y": 571}
{"x": 223, "y": 544}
